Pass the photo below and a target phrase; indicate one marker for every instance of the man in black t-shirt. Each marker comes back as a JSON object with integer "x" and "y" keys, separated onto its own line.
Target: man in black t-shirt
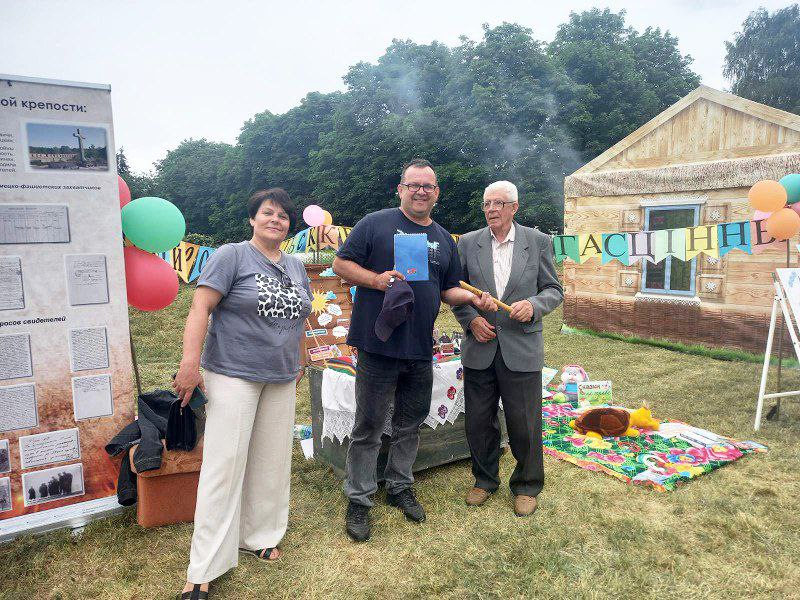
{"x": 398, "y": 372}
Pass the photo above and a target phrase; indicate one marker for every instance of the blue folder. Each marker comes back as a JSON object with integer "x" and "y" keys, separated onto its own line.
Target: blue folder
{"x": 411, "y": 255}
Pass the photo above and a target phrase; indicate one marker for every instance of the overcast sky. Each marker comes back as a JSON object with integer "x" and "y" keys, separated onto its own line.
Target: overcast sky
{"x": 200, "y": 68}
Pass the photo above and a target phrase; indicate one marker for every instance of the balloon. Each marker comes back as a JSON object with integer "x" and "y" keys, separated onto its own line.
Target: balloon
{"x": 328, "y": 218}
{"x": 124, "y": 192}
{"x": 767, "y": 195}
{"x": 791, "y": 183}
{"x": 313, "y": 215}
{"x": 795, "y": 207}
{"x": 153, "y": 224}
{"x": 151, "y": 282}
{"x": 760, "y": 215}
{"x": 784, "y": 224}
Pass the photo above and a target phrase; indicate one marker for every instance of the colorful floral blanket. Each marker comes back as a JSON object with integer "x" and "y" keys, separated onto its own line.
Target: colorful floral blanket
{"x": 659, "y": 459}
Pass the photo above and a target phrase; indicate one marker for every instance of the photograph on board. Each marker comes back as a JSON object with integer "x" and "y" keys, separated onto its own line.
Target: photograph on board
{"x": 53, "y": 484}
{"x": 71, "y": 147}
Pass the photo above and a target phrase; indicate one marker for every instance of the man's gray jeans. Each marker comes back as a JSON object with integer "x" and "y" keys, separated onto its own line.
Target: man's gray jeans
{"x": 381, "y": 382}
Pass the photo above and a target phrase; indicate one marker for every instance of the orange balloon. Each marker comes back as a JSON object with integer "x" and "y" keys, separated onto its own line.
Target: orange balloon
{"x": 783, "y": 224}
{"x": 328, "y": 218}
{"x": 767, "y": 195}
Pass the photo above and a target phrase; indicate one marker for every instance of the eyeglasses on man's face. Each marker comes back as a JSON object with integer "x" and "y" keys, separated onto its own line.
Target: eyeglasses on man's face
{"x": 489, "y": 204}
{"x": 428, "y": 188}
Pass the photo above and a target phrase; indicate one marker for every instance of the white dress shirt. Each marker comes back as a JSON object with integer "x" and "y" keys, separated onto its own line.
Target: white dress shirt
{"x": 502, "y": 253}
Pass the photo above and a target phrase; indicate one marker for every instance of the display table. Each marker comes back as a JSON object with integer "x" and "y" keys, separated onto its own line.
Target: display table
{"x": 442, "y": 437}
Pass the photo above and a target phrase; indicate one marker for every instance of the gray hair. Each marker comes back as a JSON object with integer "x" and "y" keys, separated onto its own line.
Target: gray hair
{"x": 506, "y": 187}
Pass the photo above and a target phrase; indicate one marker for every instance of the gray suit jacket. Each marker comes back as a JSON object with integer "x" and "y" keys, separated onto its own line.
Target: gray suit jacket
{"x": 533, "y": 277}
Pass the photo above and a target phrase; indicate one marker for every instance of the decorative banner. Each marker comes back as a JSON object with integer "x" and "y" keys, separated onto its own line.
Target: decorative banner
{"x": 589, "y": 246}
{"x": 615, "y": 247}
{"x": 684, "y": 243}
{"x": 203, "y": 254}
{"x": 669, "y": 242}
{"x": 733, "y": 235}
{"x": 702, "y": 238}
{"x": 566, "y": 246}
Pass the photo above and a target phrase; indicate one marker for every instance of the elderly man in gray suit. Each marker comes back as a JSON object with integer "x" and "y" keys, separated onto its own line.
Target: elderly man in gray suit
{"x": 502, "y": 352}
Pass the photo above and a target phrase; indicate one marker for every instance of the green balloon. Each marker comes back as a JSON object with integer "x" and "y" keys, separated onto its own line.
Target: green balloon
{"x": 153, "y": 224}
{"x": 791, "y": 184}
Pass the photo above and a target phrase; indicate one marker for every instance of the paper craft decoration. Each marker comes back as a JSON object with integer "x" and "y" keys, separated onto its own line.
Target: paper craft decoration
{"x": 321, "y": 353}
{"x": 324, "y": 319}
{"x": 685, "y": 243}
{"x": 411, "y": 255}
{"x": 334, "y": 309}
{"x": 594, "y": 393}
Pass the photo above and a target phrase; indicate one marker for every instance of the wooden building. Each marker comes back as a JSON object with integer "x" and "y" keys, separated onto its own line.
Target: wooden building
{"x": 693, "y": 164}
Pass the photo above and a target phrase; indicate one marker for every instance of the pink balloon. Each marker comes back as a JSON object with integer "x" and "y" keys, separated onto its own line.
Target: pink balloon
{"x": 124, "y": 192}
{"x": 313, "y": 215}
{"x": 151, "y": 282}
{"x": 760, "y": 215}
{"x": 795, "y": 207}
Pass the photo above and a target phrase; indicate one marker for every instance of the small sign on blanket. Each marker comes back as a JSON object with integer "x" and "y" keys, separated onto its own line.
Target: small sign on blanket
{"x": 594, "y": 393}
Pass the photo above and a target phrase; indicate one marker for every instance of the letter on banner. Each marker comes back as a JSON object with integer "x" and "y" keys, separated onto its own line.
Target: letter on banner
{"x": 183, "y": 257}
{"x": 343, "y": 233}
{"x": 589, "y": 246}
{"x": 203, "y": 254}
{"x": 733, "y": 235}
{"x": 615, "y": 247}
{"x": 312, "y": 240}
{"x": 640, "y": 246}
{"x": 301, "y": 240}
{"x": 760, "y": 240}
{"x": 702, "y": 238}
{"x": 287, "y": 245}
{"x": 669, "y": 242}
{"x": 328, "y": 237}
{"x": 566, "y": 246}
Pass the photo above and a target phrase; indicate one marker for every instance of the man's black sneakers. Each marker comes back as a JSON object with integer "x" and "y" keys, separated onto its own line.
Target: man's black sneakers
{"x": 407, "y": 502}
{"x": 357, "y": 522}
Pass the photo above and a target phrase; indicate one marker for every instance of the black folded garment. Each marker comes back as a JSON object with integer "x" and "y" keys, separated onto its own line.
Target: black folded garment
{"x": 181, "y": 429}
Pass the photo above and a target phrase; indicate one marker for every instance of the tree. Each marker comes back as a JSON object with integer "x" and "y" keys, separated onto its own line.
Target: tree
{"x": 763, "y": 61}
{"x": 188, "y": 176}
{"x": 631, "y": 77}
{"x": 122, "y": 163}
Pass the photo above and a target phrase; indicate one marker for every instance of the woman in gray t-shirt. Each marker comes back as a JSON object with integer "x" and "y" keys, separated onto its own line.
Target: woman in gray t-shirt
{"x": 257, "y": 299}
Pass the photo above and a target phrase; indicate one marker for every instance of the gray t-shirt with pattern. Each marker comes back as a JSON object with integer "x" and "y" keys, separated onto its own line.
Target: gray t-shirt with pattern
{"x": 256, "y": 328}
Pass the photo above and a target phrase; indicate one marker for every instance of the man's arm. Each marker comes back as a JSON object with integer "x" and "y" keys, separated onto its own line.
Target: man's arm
{"x": 464, "y": 313}
{"x": 356, "y": 274}
{"x": 549, "y": 291}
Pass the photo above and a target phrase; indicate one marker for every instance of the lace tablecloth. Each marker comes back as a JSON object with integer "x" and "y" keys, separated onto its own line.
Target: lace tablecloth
{"x": 339, "y": 400}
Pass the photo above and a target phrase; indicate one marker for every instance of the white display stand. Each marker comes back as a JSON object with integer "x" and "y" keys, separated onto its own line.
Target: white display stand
{"x": 787, "y": 293}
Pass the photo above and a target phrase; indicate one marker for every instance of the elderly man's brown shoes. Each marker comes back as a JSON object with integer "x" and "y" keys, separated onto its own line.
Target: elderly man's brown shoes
{"x": 524, "y": 506}
{"x": 477, "y": 496}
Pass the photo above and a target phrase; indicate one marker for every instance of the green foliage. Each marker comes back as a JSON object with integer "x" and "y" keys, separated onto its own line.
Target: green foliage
{"x": 763, "y": 61}
{"x": 628, "y": 77}
{"x": 504, "y": 107}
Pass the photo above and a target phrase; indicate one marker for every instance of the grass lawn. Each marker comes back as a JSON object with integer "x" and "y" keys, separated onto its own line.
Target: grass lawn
{"x": 730, "y": 534}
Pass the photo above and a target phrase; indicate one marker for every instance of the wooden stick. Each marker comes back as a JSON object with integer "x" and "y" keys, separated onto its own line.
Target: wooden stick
{"x": 478, "y": 292}
{"x": 314, "y": 335}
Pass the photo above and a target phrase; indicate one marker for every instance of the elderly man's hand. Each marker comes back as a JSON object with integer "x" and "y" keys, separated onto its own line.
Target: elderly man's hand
{"x": 482, "y": 330}
{"x": 521, "y": 311}
{"x": 484, "y": 302}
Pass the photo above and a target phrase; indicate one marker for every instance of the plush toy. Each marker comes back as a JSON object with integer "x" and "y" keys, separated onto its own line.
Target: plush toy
{"x": 606, "y": 421}
{"x": 571, "y": 376}
{"x": 643, "y": 418}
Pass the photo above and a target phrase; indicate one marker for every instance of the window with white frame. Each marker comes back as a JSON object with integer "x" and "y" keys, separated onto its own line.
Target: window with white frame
{"x": 671, "y": 275}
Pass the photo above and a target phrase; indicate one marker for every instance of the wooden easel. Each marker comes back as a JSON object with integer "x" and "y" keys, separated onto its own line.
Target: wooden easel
{"x": 778, "y": 303}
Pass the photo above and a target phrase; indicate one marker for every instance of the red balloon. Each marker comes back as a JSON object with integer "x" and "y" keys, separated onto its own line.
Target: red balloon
{"x": 151, "y": 282}
{"x": 124, "y": 192}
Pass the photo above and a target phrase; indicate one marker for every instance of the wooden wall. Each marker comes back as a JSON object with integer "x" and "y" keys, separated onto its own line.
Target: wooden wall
{"x": 706, "y": 131}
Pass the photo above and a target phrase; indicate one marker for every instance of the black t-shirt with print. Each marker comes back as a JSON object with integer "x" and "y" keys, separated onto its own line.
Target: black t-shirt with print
{"x": 371, "y": 245}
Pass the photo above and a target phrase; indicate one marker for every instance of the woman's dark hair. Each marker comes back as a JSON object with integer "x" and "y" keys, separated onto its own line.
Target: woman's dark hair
{"x": 277, "y": 196}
